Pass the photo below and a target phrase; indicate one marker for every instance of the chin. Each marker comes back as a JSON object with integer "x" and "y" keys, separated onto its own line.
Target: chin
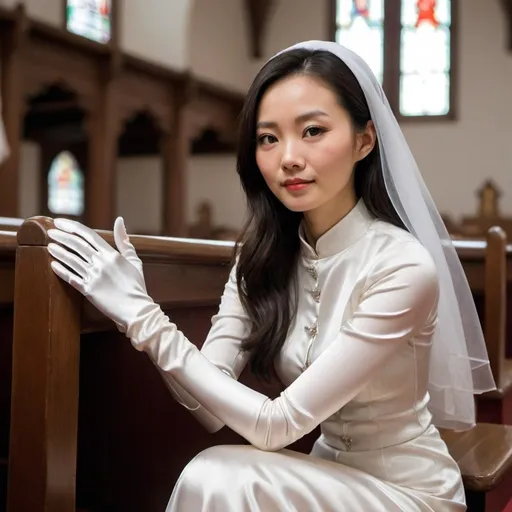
{"x": 299, "y": 206}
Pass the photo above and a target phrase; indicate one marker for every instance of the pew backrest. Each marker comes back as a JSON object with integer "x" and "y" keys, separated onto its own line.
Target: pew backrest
{"x": 10, "y": 223}
{"x": 488, "y": 267}
{"x": 62, "y": 345}
{"x": 55, "y": 327}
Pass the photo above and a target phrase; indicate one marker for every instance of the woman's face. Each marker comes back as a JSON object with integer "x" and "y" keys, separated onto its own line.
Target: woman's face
{"x": 307, "y": 149}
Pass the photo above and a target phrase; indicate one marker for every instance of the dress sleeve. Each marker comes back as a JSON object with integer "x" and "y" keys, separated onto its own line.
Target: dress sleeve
{"x": 398, "y": 298}
{"x": 221, "y": 348}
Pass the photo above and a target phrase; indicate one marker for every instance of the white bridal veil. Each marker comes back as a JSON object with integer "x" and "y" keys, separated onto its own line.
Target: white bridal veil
{"x": 459, "y": 366}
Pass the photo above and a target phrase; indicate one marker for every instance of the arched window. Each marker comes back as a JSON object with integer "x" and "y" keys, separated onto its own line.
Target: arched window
{"x": 360, "y": 27}
{"x": 409, "y": 46}
{"x": 65, "y": 186}
{"x": 90, "y": 18}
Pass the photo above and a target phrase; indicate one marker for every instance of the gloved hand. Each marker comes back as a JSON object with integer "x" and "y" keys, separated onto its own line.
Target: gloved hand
{"x": 113, "y": 281}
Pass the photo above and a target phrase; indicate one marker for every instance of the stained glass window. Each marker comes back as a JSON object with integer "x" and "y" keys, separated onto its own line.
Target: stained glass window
{"x": 90, "y": 18}
{"x": 360, "y": 27}
{"x": 425, "y": 57}
{"x": 65, "y": 186}
{"x": 416, "y": 41}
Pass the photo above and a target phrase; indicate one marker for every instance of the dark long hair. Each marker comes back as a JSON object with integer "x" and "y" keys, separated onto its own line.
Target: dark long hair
{"x": 268, "y": 248}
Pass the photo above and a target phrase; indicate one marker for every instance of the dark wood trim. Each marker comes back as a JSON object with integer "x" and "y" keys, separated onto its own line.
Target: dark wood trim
{"x": 83, "y": 45}
{"x": 507, "y": 10}
{"x": 116, "y": 17}
{"x": 41, "y": 392}
{"x": 331, "y": 21}
{"x": 392, "y": 33}
{"x": 151, "y": 249}
{"x": 8, "y": 245}
{"x": 109, "y": 87}
{"x": 258, "y": 14}
{"x": 64, "y": 37}
{"x": 176, "y": 147}
{"x": 100, "y": 183}
{"x": 454, "y": 61}
{"x": 180, "y": 79}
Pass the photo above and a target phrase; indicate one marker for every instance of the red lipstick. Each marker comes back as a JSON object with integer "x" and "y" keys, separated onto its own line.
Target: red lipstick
{"x": 296, "y": 184}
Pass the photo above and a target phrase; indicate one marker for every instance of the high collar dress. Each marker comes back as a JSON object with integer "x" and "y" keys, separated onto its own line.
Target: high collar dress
{"x": 355, "y": 362}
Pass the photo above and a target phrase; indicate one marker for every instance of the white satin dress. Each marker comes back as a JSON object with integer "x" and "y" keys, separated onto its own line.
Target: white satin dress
{"x": 356, "y": 362}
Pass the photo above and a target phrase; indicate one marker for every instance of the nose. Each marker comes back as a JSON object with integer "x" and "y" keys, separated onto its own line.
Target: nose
{"x": 292, "y": 159}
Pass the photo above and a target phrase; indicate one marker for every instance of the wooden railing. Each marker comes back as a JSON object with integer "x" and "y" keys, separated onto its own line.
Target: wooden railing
{"x": 93, "y": 424}
{"x": 7, "y": 260}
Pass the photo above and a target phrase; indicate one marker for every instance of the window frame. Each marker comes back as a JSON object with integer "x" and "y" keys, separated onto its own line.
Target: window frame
{"x": 391, "y": 75}
{"x": 113, "y": 42}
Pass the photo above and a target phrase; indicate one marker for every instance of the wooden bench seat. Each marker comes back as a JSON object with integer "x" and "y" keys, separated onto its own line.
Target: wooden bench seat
{"x": 126, "y": 444}
{"x": 484, "y": 455}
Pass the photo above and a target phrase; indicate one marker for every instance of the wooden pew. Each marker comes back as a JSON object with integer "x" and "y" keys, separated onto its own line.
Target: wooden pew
{"x": 484, "y": 453}
{"x": 93, "y": 425}
{"x": 7, "y": 256}
{"x": 10, "y": 223}
{"x": 472, "y": 254}
{"x": 488, "y": 267}
{"x": 126, "y": 436}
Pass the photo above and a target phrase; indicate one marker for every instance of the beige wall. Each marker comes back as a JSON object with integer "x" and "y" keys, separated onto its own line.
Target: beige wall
{"x": 310, "y": 21}
{"x": 48, "y": 11}
{"x": 455, "y": 157}
{"x": 219, "y": 50}
{"x": 30, "y": 180}
{"x": 156, "y": 30}
{"x": 211, "y": 178}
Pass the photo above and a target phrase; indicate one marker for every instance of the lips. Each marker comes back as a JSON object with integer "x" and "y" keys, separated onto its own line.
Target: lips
{"x": 296, "y": 185}
{"x": 296, "y": 181}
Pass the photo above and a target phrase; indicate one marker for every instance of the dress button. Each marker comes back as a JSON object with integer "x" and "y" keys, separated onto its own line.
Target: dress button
{"x": 312, "y": 272}
{"x": 312, "y": 330}
{"x": 347, "y": 441}
{"x": 315, "y": 294}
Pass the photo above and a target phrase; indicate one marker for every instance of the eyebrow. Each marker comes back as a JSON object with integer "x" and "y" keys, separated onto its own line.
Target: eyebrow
{"x": 299, "y": 119}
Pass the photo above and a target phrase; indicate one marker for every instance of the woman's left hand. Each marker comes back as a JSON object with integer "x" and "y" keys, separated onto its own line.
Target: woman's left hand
{"x": 111, "y": 280}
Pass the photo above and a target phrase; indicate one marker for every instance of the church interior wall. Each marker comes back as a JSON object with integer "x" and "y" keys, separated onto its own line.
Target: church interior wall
{"x": 455, "y": 157}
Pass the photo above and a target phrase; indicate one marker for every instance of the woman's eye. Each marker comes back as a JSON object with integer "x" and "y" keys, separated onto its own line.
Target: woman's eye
{"x": 313, "y": 131}
{"x": 266, "y": 139}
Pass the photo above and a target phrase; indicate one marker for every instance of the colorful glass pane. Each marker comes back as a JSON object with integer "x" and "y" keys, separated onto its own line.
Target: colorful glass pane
{"x": 425, "y": 57}
{"x": 90, "y": 18}
{"x": 360, "y": 27}
{"x": 65, "y": 186}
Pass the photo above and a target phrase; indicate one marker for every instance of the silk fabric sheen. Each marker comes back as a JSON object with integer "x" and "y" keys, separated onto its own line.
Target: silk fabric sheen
{"x": 370, "y": 291}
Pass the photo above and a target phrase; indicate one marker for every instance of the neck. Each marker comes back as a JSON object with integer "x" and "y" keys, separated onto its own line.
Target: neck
{"x": 323, "y": 218}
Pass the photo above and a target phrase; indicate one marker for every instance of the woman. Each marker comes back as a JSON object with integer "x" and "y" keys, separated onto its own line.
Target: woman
{"x": 346, "y": 285}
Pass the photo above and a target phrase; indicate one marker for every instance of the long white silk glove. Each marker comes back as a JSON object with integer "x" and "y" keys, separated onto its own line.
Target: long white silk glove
{"x": 399, "y": 299}
{"x": 114, "y": 283}
{"x": 109, "y": 280}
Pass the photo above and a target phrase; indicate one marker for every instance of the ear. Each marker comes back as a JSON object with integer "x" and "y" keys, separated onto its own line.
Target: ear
{"x": 365, "y": 141}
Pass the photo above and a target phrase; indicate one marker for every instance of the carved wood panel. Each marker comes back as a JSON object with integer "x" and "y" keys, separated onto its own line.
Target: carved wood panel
{"x": 110, "y": 87}
{"x": 140, "y": 93}
{"x": 46, "y": 63}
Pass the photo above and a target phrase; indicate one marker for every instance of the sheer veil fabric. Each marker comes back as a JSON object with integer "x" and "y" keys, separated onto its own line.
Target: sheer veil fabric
{"x": 459, "y": 365}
